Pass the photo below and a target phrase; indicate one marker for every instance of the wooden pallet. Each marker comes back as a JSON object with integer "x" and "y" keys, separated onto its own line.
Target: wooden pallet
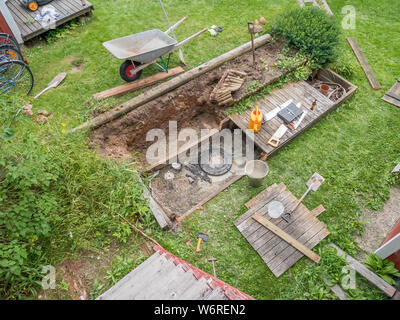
{"x": 366, "y": 273}
{"x": 30, "y": 28}
{"x": 393, "y": 95}
{"x": 364, "y": 64}
{"x": 299, "y": 92}
{"x": 304, "y": 226}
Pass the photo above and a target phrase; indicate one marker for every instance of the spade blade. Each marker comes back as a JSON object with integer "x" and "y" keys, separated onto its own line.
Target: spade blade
{"x": 53, "y": 83}
{"x": 315, "y": 181}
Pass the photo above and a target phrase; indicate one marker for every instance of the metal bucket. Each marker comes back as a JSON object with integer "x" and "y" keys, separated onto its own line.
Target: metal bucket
{"x": 256, "y": 170}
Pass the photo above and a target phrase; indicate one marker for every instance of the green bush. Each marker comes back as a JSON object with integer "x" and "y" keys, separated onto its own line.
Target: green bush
{"x": 311, "y": 31}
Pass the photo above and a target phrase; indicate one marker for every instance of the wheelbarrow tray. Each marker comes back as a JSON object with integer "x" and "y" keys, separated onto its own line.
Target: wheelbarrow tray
{"x": 143, "y": 47}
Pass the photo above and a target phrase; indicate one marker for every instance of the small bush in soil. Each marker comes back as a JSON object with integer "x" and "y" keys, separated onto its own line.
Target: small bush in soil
{"x": 311, "y": 31}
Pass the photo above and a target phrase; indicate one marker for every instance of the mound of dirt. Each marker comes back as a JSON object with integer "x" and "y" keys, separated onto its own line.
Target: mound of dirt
{"x": 190, "y": 105}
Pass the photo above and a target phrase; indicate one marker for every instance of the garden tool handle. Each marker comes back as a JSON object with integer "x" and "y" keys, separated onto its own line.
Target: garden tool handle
{"x": 43, "y": 91}
{"x": 301, "y": 199}
{"x": 198, "y": 244}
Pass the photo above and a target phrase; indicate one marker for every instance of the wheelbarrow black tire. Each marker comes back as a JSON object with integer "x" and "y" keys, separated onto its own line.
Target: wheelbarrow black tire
{"x": 126, "y": 68}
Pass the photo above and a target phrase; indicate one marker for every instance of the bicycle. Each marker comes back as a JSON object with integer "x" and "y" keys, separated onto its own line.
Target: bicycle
{"x": 9, "y": 52}
{"x": 7, "y": 39}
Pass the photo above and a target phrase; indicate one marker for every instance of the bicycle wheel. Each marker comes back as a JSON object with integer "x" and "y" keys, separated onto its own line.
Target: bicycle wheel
{"x": 8, "y": 52}
{"x": 15, "y": 78}
{"x": 5, "y": 38}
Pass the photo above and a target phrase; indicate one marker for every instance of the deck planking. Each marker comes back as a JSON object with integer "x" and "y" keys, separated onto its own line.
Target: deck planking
{"x": 304, "y": 226}
{"x": 299, "y": 92}
{"x": 30, "y": 28}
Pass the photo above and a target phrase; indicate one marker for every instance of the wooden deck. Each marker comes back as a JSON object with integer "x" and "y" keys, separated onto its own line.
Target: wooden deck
{"x": 30, "y": 28}
{"x": 299, "y": 92}
{"x": 304, "y": 226}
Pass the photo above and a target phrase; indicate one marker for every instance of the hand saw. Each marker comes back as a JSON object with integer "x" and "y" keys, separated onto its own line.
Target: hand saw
{"x": 276, "y": 138}
{"x": 272, "y": 114}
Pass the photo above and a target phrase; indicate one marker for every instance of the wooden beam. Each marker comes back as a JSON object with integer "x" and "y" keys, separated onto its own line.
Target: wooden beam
{"x": 286, "y": 237}
{"x": 364, "y": 64}
{"x": 130, "y": 87}
{"x": 336, "y": 289}
{"x": 327, "y": 8}
{"x": 169, "y": 85}
{"x": 366, "y": 273}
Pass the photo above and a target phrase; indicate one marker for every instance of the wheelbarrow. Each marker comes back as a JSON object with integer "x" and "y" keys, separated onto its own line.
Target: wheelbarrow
{"x": 144, "y": 49}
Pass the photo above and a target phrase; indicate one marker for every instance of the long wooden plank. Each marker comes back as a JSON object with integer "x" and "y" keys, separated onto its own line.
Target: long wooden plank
{"x": 307, "y": 252}
{"x": 364, "y": 63}
{"x": 130, "y": 87}
{"x": 366, "y": 273}
{"x": 336, "y": 289}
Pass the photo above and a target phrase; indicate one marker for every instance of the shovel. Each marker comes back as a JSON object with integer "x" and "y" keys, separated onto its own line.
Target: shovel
{"x": 54, "y": 83}
{"x": 313, "y": 184}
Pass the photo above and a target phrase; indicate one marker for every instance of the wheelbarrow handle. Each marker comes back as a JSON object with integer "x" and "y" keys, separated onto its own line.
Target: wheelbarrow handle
{"x": 182, "y": 43}
{"x": 175, "y": 25}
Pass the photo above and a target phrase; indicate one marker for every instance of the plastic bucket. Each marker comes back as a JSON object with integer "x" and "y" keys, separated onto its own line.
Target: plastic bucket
{"x": 256, "y": 170}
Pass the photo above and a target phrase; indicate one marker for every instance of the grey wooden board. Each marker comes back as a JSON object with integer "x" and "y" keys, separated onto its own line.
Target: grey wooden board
{"x": 300, "y": 92}
{"x": 158, "y": 212}
{"x": 336, "y": 289}
{"x": 366, "y": 273}
{"x": 30, "y": 28}
{"x": 322, "y": 4}
{"x": 391, "y": 95}
{"x": 158, "y": 278}
{"x": 277, "y": 254}
{"x": 364, "y": 63}
{"x": 390, "y": 247}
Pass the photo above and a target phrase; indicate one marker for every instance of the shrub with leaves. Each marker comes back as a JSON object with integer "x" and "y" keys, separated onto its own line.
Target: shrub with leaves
{"x": 55, "y": 197}
{"x": 311, "y": 31}
{"x": 383, "y": 268}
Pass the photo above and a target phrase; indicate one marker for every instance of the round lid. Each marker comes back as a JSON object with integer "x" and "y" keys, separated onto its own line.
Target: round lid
{"x": 275, "y": 209}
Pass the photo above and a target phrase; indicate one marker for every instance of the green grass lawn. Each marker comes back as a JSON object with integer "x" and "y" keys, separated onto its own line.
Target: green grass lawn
{"x": 354, "y": 148}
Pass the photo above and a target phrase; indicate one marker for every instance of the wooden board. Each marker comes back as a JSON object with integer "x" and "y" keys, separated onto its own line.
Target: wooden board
{"x": 286, "y": 237}
{"x": 393, "y": 95}
{"x": 300, "y": 92}
{"x": 30, "y": 28}
{"x": 364, "y": 64}
{"x": 366, "y": 273}
{"x": 130, "y": 87}
{"x": 304, "y": 227}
